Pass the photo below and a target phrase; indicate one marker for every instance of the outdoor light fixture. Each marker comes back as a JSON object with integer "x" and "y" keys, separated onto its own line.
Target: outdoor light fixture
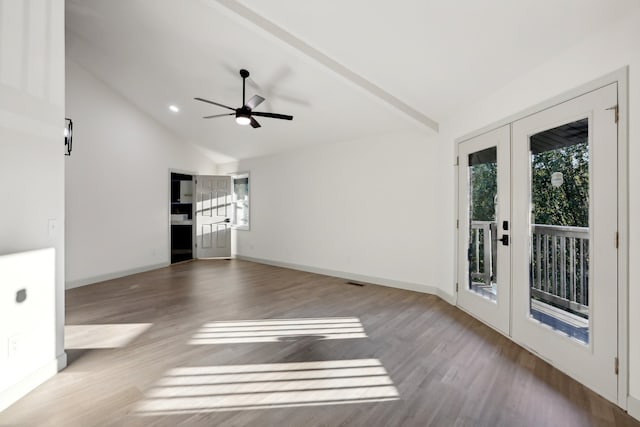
{"x": 68, "y": 136}
{"x": 557, "y": 179}
{"x": 174, "y": 108}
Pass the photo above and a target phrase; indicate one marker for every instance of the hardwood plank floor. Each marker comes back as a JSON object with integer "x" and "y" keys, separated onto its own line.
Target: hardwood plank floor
{"x": 210, "y": 347}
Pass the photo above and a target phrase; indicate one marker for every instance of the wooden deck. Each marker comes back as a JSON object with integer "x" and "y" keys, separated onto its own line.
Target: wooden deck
{"x": 561, "y": 320}
{"x": 233, "y": 343}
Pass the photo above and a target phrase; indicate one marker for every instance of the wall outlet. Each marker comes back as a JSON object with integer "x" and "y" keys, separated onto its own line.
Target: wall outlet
{"x": 13, "y": 346}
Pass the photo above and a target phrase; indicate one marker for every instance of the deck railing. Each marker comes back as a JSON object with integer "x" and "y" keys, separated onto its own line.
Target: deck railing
{"x": 560, "y": 266}
{"x": 483, "y": 245}
{"x": 559, "y": 263}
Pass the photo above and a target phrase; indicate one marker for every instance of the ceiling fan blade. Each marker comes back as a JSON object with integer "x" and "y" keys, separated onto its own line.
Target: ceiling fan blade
{"x": 214, "y": 103}
{"x": 218, "y": 115}
{"x": 254, "y": 123}
{"x": 272, "y": 115}
{"x": 254, "y": 101}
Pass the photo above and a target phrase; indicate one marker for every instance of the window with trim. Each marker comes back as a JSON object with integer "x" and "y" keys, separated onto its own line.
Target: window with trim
{"x": 240, "y": 203}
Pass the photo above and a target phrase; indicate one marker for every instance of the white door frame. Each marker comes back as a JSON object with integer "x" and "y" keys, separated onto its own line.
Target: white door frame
{"x": 621, "y": 77}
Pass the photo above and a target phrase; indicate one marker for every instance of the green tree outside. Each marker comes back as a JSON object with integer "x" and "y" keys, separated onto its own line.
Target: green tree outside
{"x": 566, "y": 205}
{"x": 484, "y": 188}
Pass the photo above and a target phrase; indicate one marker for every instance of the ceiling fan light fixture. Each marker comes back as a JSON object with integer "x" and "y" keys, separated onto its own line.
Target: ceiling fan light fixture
{"x": 243, "y": 120}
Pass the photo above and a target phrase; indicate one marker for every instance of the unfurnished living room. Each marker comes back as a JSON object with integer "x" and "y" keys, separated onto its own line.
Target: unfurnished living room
{"x": 324, "y": 213}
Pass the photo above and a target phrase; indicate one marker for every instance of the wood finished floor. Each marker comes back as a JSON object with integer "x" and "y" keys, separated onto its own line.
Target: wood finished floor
{"x": 448, "y": 368}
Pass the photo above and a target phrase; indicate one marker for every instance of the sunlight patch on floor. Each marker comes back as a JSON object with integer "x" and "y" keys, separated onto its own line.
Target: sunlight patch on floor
{"x": 102, "y": 336}
{"x": 278, "y": 330}
{"x": 275, "y": 385}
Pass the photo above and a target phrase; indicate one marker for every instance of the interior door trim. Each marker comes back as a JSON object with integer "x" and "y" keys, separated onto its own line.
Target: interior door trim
{"x": 621, "y": 78}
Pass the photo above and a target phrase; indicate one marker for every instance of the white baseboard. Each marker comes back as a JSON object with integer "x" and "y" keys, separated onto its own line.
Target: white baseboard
{"x": 633, "y": 407}
{"x": 27, "y": 384}
{"x": 70, "y": 284}
{"x": 62, "y": 361}
{"x": 451, "y": 299}
{"x": 427, "y": 289}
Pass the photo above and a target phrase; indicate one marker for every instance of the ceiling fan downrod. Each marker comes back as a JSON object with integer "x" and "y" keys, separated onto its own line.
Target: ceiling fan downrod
{"x": 244, "y": 74}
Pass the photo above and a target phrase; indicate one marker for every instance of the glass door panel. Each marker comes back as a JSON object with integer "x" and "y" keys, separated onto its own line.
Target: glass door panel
{"x": 483, "y": 206}
{"x": 559, "y": 247}
{"x": 483, "y": 203}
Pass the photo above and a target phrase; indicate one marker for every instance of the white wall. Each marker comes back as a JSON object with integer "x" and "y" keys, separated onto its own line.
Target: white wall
{"x": 31, "y": 185}
{"x": 605, "y": 52}
{"x": 369, "y": 208}
{"x": 385, "y": 207}
{"x": 117, "y": 182}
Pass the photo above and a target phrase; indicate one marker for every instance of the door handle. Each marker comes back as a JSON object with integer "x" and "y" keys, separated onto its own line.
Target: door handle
{"x": 505, "y": 240}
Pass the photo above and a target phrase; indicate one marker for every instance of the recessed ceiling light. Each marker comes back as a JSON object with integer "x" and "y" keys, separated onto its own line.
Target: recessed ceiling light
{"x": 174, "y": 108}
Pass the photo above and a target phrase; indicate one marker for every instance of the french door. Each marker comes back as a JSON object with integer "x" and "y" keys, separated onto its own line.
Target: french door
{"x": 565, "y": 257}
{"x": 562, "y": 253}
{"x": 484, "y": 282}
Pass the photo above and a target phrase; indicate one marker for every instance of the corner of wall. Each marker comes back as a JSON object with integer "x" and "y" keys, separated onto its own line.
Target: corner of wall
{"x": 359, "y": 278}
{"x": 633, "y": 407}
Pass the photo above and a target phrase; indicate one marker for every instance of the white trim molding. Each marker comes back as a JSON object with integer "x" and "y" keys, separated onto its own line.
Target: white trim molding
{"x": 358, "y": 278}
{"x": 17, "y": 391}
{"x": 62, "y": 361}
{"x": 115, "y": 275}
{"x": 618, "y": 76}
{"x": 633, "y": 407}
{"x": 622, "y": 78}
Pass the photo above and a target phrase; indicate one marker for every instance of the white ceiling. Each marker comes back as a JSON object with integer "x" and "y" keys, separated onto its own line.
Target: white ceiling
{"x": 424, "y": 57}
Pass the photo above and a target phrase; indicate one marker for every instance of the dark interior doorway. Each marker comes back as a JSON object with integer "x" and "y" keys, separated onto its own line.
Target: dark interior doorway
{"x": 181, "y": 217}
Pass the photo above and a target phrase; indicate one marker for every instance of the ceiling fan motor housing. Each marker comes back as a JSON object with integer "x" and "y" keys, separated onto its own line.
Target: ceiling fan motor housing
{"x": 243, "y": 111}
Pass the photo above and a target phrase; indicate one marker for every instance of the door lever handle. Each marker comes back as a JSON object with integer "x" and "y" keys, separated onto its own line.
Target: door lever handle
{"x": 505, "y": 239}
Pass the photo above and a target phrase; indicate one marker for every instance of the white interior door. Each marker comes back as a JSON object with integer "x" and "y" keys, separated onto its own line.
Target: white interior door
{"x": 483, "y": 238}
{"x": 564, "y": 217}
{"x": 213, "y": 216}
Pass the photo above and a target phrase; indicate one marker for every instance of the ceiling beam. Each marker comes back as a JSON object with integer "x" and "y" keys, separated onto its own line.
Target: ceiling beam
{"x": 308, "y": 50}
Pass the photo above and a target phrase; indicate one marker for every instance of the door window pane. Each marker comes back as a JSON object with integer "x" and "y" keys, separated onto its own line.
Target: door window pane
{"x": 241, "y": 201}
{"x": 483, "y": 202}
{"x": 559, "y": 247}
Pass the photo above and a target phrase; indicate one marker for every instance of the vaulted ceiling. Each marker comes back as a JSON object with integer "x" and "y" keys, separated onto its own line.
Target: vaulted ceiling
{"x": 344, "y": 69}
